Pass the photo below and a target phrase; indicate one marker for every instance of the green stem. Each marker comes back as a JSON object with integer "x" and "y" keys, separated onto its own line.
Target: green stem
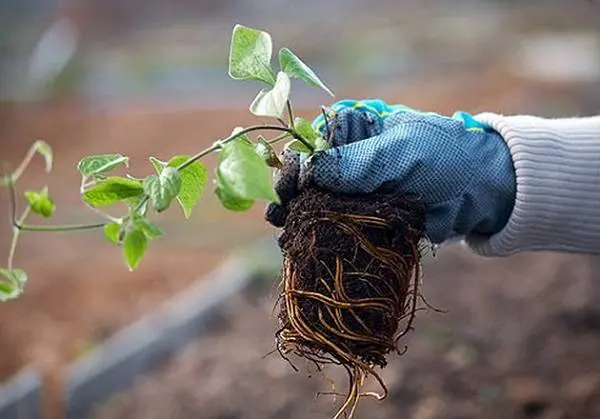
{"x": 103, "y": 214}
{"x": 325, "y": 112}
{"x": 278, "y": 138}
{"x": 15, "y": 238}
{"x": 139, "y": 206}
{"x": 218, "y": 144}
{"x": 59, "y": 228}
{"x": 290, "y": 113}
{"x": 14, "y": 176}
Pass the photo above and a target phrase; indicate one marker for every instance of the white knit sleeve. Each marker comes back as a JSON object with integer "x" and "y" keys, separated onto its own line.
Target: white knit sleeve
{"x": 557, "y": 205}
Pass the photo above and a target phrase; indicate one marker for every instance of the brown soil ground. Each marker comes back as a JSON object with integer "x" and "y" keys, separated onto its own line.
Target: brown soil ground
{"x": 519, "y": 339}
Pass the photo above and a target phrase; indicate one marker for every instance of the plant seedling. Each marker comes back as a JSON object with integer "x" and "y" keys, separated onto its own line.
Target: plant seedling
{"x": 351, "y": 265}
{"x": 242, "y": 175}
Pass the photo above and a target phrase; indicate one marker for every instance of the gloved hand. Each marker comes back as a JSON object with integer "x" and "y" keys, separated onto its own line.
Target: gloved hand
{"x": 460, "y": 169}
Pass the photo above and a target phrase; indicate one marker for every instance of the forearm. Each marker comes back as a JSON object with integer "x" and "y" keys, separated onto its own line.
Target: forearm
{"x": 557, "y": 205}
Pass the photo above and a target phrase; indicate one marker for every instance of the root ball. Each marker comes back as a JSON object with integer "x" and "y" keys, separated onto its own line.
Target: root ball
{"x": 350, "y": 281}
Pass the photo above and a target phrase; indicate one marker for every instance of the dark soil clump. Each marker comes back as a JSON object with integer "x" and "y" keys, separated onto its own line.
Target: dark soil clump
{"x": 350, "y": 281}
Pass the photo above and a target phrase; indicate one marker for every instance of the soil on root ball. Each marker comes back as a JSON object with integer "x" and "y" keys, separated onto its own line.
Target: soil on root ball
{"x": 350, "y": 281}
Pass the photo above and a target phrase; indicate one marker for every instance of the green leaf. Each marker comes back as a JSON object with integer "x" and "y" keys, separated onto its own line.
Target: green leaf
{"x": 295, "y": 67}
{"x": 148, "y": 227}
{"x": 232, "y": 202}
{"x": 162, "y": 189}
{"x": 298, "y": 146}
{"x": 44, "y": 149}
{"x": 250, "y": 55}
{"x": 12, "y": 283}
{"x": 111, "y": 190}
{"x": 272, "y": 102}
{"x": 268, "y": 153}
{"x": 193, "y": 181}
{"x": 134, "y": 247}
{"x": 96, "y": 165}
{"x": 8, "y": 291}
{"x": 159, "y": 165}
{"x": 310, "y": 135}
{"x": 243, "y": 173}
{"x": 112, "y": 232}
{"x": 305, "y": 129}
{"x": 40, "y": 202}
{"x": 321, "y": 144}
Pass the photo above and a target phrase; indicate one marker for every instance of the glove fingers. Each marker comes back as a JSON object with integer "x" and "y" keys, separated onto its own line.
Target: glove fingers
{"x": 376, "y": 107}
{"x": 405, "y": 153}
{"x": 351, "y": 125}
{"x": 319, "y": 122}
{"x": 360, "y": 167}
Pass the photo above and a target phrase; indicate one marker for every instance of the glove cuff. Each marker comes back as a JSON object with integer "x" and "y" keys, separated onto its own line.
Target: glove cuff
{"x": 557, "y": 205}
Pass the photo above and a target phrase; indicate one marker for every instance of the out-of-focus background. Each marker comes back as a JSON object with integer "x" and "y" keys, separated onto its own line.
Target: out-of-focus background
{"x": 521, "y": 335}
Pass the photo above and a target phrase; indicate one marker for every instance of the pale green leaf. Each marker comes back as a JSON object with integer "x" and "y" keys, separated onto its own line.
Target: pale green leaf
{"x": 112, "y": 232}
{"x": 321, "y": 144}
{"x": 268, "y": 153}
{"x": 111, "y": 190}
{"x": 232, "y": 202}
{"x": 272, "y": 103}
{"x": 250, "y": 55}
{"x": 159, "y": 165}
{"x": 134, "y": 247}
{"x": 8, "y": 291}
{"x": 150, "y": 229}
{"x": 193, "y": 181}
{"x": 298, "y": 146}
{"x": 243, "y": 173}
{"x": 305, "y": 129}
{"x": 295, "y": 67}
{"x": 40, "y": 202}
{"x": 44, "y": 149}
{"x": 12, "y": 283}
{"x": 103, "y": 163}
{"x": 162, "y": 189}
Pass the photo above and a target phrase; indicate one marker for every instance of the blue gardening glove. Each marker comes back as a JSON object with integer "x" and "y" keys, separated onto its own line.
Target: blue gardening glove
{"x": 460, "y": 169}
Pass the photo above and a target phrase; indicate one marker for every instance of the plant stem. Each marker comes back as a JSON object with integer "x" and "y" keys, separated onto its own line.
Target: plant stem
{"x": 290, "y": 113}
{"x": 139, "y": 206}
{"x": 278, "y": 138}
{"x": 15, "y": 239}
{"x": 325, "y": 111}
{"x": 218, "y": 144}
{"x": 14, "y": 176}
{"x": 103, "y": 214}
{"x": 59, "y": 228}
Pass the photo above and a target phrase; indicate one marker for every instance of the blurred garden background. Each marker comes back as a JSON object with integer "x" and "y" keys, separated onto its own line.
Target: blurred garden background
{"x": 142, "y": 77}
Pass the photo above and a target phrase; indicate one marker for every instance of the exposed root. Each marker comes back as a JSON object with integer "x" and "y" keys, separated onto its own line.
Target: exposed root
{"x": 350, "y": 283}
